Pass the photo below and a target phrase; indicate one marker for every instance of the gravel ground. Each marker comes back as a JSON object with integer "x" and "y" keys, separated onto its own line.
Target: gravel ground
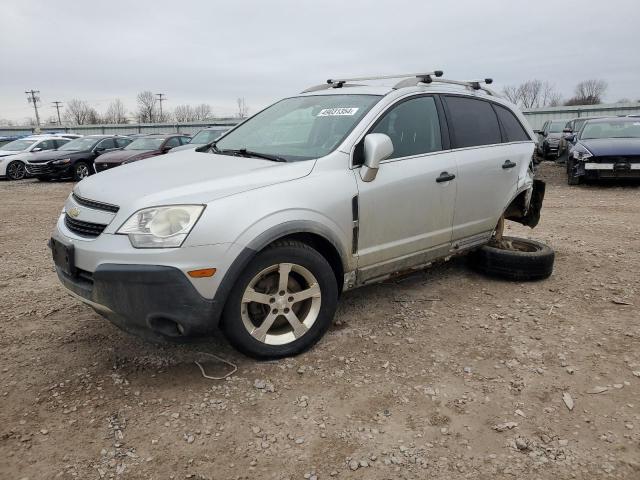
{"x": 445, "y": 374}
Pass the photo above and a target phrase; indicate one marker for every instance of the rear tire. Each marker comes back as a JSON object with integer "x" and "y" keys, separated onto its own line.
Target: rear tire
{"x": 522, "y": 260}
{"x": 282, "y": 303}
{"x": 16, "y": 170}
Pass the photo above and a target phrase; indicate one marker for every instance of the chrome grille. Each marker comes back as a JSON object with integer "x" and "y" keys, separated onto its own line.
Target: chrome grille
{"x": 39, "y": 168}
{"x": 85, "y": 202}
{"x": 84, "y": 229}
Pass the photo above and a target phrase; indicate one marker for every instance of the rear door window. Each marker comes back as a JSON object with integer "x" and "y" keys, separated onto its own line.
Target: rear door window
{"x": 513, "y": 129}
{"x": 473, "y": 122}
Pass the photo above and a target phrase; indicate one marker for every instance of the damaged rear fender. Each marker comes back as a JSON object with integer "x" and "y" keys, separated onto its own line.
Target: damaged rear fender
{"x": 526, "y": 206}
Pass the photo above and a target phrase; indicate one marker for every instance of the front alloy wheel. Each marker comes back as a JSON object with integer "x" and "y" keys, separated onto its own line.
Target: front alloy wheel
{"x": 80, "y": 171}
{"x": 282, "y": 303}
{"x": 16, "y": 170}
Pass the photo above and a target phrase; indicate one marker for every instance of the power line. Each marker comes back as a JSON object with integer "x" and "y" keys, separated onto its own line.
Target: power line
{"x": 161, "y": 99}
{"x": 58, "y": 104}
{"x": 33, "y": 97}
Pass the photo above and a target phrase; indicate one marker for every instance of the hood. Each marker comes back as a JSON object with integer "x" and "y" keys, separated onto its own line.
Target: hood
{"x": 186, "y": 177}
{"x": 554, "y": 135}
{"x": 6, "y": 153}
{"x": 24, "y": 156}
{"x": 188, "y": 146}
{"x": 47, "y": 155}
{"x": 119, "y": 156}
{"x": 606, "y": 147}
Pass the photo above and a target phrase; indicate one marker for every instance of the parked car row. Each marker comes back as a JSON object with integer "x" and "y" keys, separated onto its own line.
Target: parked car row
{"x": 71, "y": 156}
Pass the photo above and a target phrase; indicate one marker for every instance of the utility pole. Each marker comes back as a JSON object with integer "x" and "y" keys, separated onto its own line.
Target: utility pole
{"x": 33, "y": 97}
{"x": 58, "y": 104}
{"x": 160, "y": 99}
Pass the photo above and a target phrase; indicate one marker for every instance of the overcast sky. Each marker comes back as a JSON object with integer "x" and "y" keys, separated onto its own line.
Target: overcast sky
{"x": 214, "y": 52}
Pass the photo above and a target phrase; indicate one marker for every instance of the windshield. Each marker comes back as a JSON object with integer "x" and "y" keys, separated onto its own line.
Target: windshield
{"x": 578, "y": 125}
{"x": 612, "y": 129}
{"x": 300, "y": 128}
{"x": 206, "y": 136}
{"x": 556, "y": 127}
{"x": 18, "y": 145}
{"x": 80, "y": 144}
{"x": 145, "y": 144}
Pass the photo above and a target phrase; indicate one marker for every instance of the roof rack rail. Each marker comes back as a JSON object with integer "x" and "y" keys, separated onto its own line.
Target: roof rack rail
{"x": 470, "y": 84}
{"x": 408, "y": 80}
{"x": 346, "y": 82}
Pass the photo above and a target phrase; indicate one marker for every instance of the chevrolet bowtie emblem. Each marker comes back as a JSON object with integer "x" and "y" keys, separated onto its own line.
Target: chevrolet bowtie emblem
{"x": 74, "y": 212}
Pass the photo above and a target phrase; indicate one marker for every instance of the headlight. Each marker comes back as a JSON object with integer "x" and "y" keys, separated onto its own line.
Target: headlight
{"x": 581, "y": 155}
{"x": 61, "y": 162}
{"x": 161, "y": 227}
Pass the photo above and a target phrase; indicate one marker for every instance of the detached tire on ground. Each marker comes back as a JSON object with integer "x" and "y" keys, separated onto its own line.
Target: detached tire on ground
{"x": 515, "y": 259}
{"x": 282, "y": 303}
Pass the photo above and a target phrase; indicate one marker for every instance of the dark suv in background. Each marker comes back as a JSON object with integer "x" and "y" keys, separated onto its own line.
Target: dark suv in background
{"x": 549, "y": 137}
{"x": 141, "y": 147}
{"x": 74, "y": 160}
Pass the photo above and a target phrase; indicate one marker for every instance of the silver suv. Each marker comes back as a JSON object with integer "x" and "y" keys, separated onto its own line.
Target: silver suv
{"x": 258, "y": 233}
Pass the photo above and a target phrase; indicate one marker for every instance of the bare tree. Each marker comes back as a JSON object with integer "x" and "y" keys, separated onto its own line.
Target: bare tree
{"x": 79, "y": 112}
{"x": 243, "y": 110}
{"x": 183, "y": 113}
{"x": 116, "y": 113}
{"x": 532, "y": 94}
{"x": 202, "y": 112}
{"x": 146, "y": 107}
{"x": 588, "y": 92}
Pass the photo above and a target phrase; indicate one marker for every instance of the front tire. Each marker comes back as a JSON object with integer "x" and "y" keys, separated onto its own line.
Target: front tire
{"x": 282, "y": 303}
{"x": 16, "y": 170}
{"x": 572, "y": 179}
{"x": 81, "y": 171}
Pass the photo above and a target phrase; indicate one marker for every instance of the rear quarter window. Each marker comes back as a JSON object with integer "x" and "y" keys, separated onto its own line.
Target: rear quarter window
{"x": 473, "y": 122}
{"x": 512, "y": 127}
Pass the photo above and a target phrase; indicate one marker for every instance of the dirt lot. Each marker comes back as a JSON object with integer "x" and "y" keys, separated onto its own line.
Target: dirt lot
{"x": 445, "y": 374}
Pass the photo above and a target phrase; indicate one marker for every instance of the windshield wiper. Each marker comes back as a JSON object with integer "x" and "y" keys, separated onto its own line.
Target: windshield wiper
{"x": 250, "y": 153}
{"x": 240, "y": 151}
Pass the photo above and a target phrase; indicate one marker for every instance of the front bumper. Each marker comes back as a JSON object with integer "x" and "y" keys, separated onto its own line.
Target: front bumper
{"x": 148, "y": 291}
{"x": 102, "y": 166}
{"x": 597, "y": 169}
{"x": 48, "y": 169}
{"x": 147, "y": 300}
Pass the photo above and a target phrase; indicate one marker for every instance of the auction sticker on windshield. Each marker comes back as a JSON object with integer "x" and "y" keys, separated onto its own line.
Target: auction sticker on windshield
{"x": 330, "y": 112}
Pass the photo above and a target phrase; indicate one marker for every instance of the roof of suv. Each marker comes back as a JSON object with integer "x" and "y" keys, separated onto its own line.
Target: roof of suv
{"x": 410, "y": 83}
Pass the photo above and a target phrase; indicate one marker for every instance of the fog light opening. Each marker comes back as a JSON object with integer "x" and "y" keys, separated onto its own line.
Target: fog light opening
{"x": 166, "y": 326}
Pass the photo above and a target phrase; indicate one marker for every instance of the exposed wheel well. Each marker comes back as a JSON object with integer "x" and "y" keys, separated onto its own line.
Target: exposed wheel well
{"x": 325, "y": 248}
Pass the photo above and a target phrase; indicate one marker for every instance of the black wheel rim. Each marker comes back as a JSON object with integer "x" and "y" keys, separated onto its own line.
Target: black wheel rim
{"x": 16, "y": 170}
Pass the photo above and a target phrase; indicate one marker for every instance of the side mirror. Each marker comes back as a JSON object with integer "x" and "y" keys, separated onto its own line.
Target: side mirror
{"x": 377, "y": 147}
{"x": 567, "y": 130}
{"x": 37, "y": 149}
{"x": 165, "y": 149}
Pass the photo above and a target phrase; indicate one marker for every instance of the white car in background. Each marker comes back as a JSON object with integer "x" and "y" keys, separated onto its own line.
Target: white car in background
{"x": 14, "y": 154}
